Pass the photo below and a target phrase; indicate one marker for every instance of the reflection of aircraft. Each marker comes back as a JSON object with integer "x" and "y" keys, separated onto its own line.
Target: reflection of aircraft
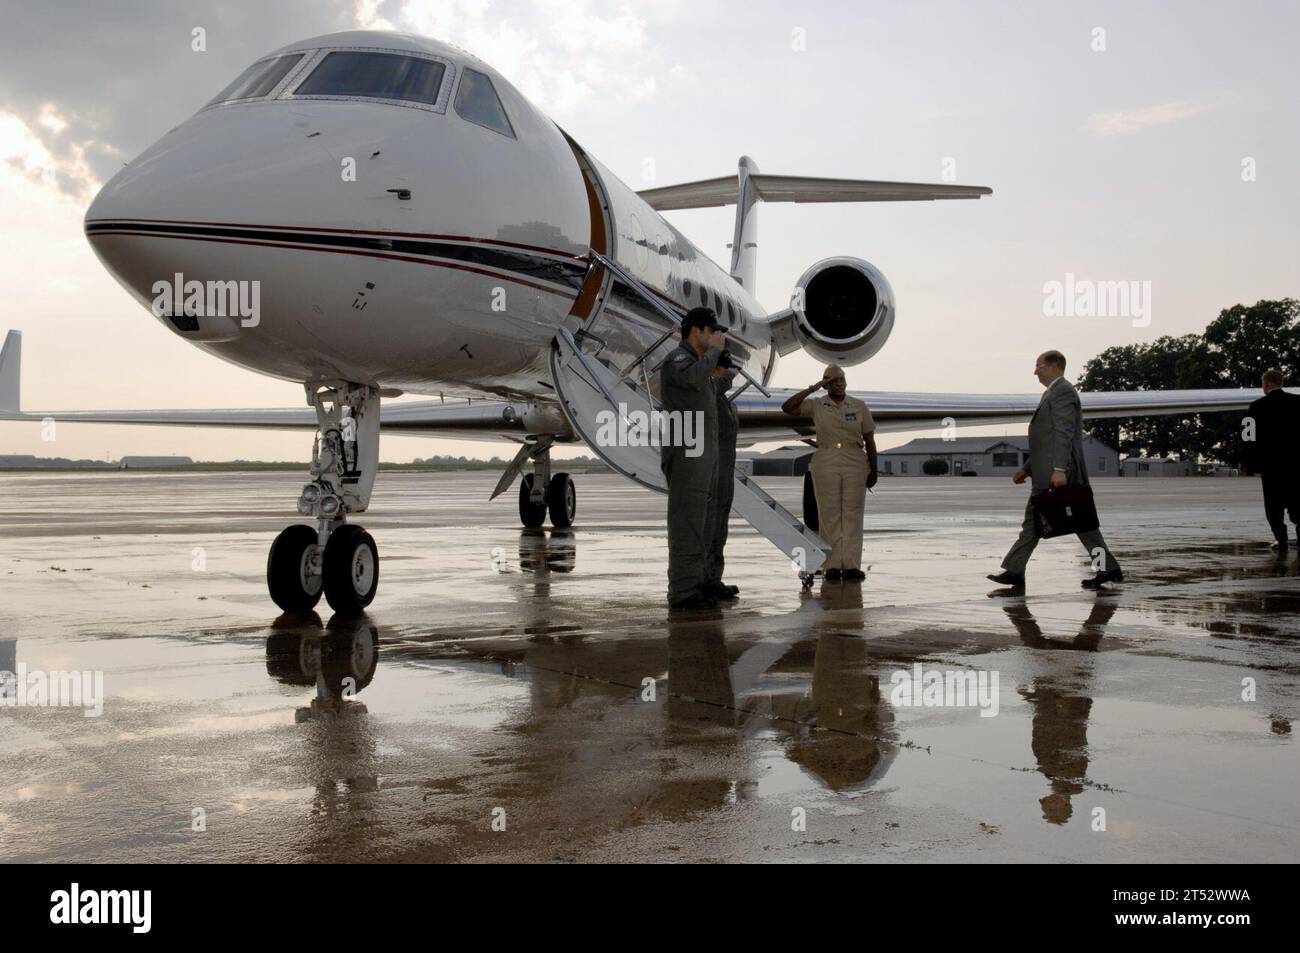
{"x": 339, "y": 661}
{"x": 372, "y": 214}
{"x": 543, "y": 553}
{"x": 1059, "y": 736}
{"x": 342, "y": 763}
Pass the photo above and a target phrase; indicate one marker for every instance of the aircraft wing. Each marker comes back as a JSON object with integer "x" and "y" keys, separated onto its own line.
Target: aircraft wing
{"x": 710, "y": 193}
{"x": 761, "y": 418}
{"x": 472, "y": 419}
{"x": 454, "y": 418}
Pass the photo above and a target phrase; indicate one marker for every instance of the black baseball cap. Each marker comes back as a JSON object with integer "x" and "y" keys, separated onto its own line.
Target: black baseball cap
{"x": 700, "y": 318}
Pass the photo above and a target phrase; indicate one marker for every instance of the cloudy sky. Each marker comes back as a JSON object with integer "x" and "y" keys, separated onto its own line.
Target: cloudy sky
{"x": 1128, "y": 141}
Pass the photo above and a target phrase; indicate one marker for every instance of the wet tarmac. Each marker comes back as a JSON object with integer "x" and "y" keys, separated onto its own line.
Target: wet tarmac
{"x": 523, "y": 695}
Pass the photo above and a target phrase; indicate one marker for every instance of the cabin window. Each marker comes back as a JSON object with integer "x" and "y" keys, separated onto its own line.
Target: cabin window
{"x": 258, "y": 80}
{"x": 375, "y": 75}
{"x": 477, "y": 101}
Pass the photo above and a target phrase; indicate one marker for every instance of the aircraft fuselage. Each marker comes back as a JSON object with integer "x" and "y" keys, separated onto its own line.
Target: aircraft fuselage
{"x": 403, "y": 247}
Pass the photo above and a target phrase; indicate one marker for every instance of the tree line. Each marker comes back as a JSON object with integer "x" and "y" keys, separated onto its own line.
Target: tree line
{"x": 1233, "y": 351}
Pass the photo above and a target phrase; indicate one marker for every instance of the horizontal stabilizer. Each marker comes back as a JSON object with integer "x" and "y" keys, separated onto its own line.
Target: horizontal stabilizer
{"x": 711, "y": 193}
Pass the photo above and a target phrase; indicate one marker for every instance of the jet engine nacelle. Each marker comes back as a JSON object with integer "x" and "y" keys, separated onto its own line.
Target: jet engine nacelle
{"x": 842, "y": 312}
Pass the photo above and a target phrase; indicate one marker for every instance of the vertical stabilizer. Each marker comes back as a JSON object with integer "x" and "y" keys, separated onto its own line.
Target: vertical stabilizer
{"x": 10, "y": 363}
{"x": 744, "y": 243}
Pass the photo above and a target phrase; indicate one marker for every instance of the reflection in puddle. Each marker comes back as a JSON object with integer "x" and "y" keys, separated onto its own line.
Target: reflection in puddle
{"x": 338, "y": 659}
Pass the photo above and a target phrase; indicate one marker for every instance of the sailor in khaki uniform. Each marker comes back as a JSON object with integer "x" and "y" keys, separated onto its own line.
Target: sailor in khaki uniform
{"x": 843, "y": 467}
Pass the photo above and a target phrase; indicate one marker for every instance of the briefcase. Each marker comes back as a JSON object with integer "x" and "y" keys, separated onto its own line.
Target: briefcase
{"x": 1063, "y": 510}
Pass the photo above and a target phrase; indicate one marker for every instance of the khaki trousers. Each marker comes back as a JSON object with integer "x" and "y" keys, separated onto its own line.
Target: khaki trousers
{"x": 840, "y": 481}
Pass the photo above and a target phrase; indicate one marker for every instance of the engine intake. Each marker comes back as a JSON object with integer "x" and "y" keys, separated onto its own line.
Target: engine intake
{"x": 842, "y": 312}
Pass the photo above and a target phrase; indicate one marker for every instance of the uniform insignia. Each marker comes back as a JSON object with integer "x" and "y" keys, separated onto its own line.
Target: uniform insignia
{"x": 851, "y": 416}
{"x": 681, "y": 358}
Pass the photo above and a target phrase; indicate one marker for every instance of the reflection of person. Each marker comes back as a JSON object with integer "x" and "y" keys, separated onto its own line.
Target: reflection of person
{"x": 688, "y": 397}
{"x": 724, "y": 485}
{"x": 843, "y": 467}
{"x": 1059, "y": 739}
{"x": 699, "y": 672}
{"x": 853, "y": 745}
{"x": 1059, "y": 735}
{"x": 1055, "y": 459}
{"x": 1273, "y": 454}
{"x": 1087, "y": 640}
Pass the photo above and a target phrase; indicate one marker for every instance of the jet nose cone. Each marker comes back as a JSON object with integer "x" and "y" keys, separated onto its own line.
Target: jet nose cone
{"x": 147, "y": 227}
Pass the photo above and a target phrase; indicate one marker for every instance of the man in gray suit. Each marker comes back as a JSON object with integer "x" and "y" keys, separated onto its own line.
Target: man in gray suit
{"x": 1055, "y": 459}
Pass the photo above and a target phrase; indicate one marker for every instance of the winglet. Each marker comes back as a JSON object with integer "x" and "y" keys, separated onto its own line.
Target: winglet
{"x": 11, "y": 358}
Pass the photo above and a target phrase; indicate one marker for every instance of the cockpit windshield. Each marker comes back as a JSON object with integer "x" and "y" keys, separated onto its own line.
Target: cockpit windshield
{"x": 259, "y": 79}
{"x": 373, "y": 75}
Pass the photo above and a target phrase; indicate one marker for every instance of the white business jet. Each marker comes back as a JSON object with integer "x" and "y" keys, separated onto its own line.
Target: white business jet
{"x": 371, "y": 214}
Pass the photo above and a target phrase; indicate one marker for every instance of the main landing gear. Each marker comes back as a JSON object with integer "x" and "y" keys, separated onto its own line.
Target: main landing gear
{"x": 334, "y": 558}
{"x": 542, "y": 493}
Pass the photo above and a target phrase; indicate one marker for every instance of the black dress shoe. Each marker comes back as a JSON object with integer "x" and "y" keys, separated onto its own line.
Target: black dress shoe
{"x": 854, "y": 575}
{"x": 1008, "y": 578}
{"x": 834, "y": 574}
{"x": 698, "y": 601}
{"x": 720, "y": 590}
{"x": 1103, "y": 577}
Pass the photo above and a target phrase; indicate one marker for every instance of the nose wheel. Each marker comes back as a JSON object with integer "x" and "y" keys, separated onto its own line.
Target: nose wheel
{"x": 346, "y": 571}
{"x": 334, "y": 558}
{"x": 350, "y": 569}
{"x": 292, "y": 569}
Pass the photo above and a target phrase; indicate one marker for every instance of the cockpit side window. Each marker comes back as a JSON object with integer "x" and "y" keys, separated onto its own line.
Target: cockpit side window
{"x": 259, "y": 79}
{"x": 375, "y": 75}
{"x": 477, "y": 101}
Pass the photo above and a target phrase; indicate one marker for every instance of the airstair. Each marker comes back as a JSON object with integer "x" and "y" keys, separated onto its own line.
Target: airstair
{"x": 614, "y": 410}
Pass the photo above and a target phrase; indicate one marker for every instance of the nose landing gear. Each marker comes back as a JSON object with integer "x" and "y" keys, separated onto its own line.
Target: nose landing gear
{"x": 335, "y": 558}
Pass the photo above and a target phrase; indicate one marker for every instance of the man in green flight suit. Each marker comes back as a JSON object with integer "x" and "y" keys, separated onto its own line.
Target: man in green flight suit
{"x": 724, "y": 488}
{"x": 689, "y": 454}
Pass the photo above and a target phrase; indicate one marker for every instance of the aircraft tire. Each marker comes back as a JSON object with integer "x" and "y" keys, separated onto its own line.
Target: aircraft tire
{"x": 291, "y": 588}
{"x": 561, "y": 500}
{"x": 531, "y": 514}
{"x": 350, "y": 569}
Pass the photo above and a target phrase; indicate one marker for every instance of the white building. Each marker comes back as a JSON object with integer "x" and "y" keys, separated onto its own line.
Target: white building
{"x": 985, "y": 456}
{"x": 1157, "y": 467}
